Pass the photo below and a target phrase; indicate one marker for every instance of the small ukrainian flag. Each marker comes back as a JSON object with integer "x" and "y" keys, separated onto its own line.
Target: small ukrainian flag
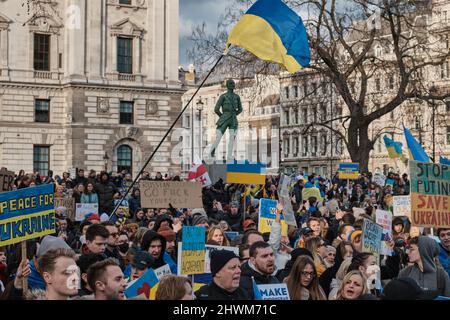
{"x": 394, "y": 148}
{"x": 246, "y": 173}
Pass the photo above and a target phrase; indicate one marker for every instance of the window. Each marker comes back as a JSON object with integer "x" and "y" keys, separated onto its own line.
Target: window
{"x": 445, "y": 70}
{"x": 314, "y": 87}
{"x": 324, "y": 88}
{"x": 126, "y": 112}
{"x": 125, "y": 55}
{"x": 448, "y": 134}
{"x": 323, "y": 145}
{"x": 296, "y": 91}
{"x": 314, "y": 112}
{"x": 314, "y": 145}
{"x": 305, "y": 146}
{"x": 377, "y": 84}
{"x": 317, "y": 170}
{"x": 323, "y": 113}
{"x": 417, "y": 123}
{"x": 447, "y": 105}
{"x": 295, "y": 116}
{"x": 324, "y": 171}
{"x": 41, "y": 52}
{"x": 286, "y": 117}
{"x": 286, "y": 91}
{"x": 305, "y": 115}
{"x": 305, "y": 89}
{"x": 41, "y": 159}
{"x": 187, "y": 121}
{"x": 41, "y": 110}
{"x": 391, "y": 82}
{"x": 295, "y": 146}
{"x": 125, "y": 2}
{"x": 124, "y": 158}
{"x": 286, "y": 146}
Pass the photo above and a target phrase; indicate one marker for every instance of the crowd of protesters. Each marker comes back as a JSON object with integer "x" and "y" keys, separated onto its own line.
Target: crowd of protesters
{"x": 322, "y": 259}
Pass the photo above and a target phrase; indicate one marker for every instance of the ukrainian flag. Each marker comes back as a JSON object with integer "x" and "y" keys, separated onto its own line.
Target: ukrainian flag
{"x": 394, "y": 148}
{"x": 246, "y": 173}
{"x": 416, "y": 152}
{"x": 273, "y": 32}
{"x": 444, "y": 160}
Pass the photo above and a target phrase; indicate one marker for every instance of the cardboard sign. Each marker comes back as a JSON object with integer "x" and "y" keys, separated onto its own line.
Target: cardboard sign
{"x": 371, "y": 237}
{"x": 158, "y": 194}
{"x": 145, "y": 286}
{"x": 348, "y": 171}
{"x": 267, "y": 216}
{"x": 288, "y": 211}
{"x": 73, "y": 173}
{"x": 384, "y": 219}
{"x": 69, "y": 204}
{"x": 430, "y": 195}
{"x": 83, "y": 209}
{"x": 6, "y": 179}
{"x": 402, "y": 206}
{"x": 193, "y": 250}
{"x": 27, "y": 214}
{"x": 278, "y": 291}
{"x": 162, "y": 271}
{"x": 379, "y": 179}
{"x": 284, "y": 186}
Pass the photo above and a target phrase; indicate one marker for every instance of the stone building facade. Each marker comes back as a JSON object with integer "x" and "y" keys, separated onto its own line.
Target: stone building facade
{"x": 88, "y": 84}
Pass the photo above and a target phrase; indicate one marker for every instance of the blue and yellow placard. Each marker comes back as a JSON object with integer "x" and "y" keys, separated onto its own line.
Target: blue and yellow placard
{"x": 146, "y": 286}
{"x": 193, "y": 250}
{"x": 267, "y": 216}
{"x": 246, "y": 173}
{"x": 348, "y": 171}
{"x": 26, "y": 214}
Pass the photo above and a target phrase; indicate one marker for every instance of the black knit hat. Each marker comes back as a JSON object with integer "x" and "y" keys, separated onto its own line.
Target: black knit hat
{"x": 219, "y": 258}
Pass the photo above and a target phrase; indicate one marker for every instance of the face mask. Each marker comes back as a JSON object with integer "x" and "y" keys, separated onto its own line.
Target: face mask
{"x": 124, "y": 247}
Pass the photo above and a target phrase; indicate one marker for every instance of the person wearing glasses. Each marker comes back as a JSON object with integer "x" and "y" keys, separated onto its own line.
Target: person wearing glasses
{"x": 112, "y": 242}
{"x": 303, "y": 282}
{"x": 318, "y": 249}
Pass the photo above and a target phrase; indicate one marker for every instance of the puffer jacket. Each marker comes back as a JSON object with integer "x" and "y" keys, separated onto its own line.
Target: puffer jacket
{"x": 105, "y": 192}
{"x": 248, "y": 271}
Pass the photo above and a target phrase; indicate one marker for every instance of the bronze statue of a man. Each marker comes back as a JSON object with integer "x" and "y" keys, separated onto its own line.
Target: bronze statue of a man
{"x": 231, "y": 106}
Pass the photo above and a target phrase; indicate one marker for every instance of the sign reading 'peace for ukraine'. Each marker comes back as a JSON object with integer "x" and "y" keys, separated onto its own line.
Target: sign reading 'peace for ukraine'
{"x": 26, "y": 214}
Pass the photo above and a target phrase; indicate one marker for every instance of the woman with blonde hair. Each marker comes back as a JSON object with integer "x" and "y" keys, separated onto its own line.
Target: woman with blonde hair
{"x": 337, "y": 280}
{"x": 217, "y": 235}
{"x": 302, "y": 282}
{"x": 319, "y": 251}
{"x": 173, "y": 287}
{"x": 353, "y": 286}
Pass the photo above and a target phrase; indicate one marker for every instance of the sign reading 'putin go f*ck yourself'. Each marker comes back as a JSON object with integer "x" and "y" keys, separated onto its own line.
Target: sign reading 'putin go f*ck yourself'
{"x": 26, "y": 214}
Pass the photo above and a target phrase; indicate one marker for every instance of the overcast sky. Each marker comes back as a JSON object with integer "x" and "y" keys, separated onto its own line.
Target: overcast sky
{"x": 193, "y": 13}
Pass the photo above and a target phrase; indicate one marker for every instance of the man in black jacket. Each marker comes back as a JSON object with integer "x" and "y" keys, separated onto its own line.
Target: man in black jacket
{"x": 105, "y": 190}
{"x": 234, "y": 217}
{"x": 226, "y": 273}
{"x": 261, "y": 267}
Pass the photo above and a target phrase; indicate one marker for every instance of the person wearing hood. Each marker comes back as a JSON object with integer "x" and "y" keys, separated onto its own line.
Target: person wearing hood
{"x": 105, "y": 190}
{"x": 155, "y": 244}
{"x": 398, "y": 228}
{"x": 233, "y": 217}
{"x": 444, "y": 247}
{"x": 260, "y": 267}
{"x": 429, "y": 276}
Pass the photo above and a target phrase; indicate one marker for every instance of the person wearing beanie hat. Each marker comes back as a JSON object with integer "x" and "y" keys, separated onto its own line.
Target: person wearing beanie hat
{"x": 249, "y": 224}
{"x": 104, "y": 217}
{"x": 140, "y": 264}
{"x": 200, "y": 221}
{"x": 226, "y": 273}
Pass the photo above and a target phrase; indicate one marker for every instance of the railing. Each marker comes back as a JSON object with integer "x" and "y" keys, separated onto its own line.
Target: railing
{"x": 127, "y": 77}
{"x": 42, "y": 75}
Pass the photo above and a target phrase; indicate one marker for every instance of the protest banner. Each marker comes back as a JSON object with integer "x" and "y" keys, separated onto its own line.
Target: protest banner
{"x": 231, "y": 235}
{"x": 284, "y": 187}
{"x": 162, "y": 271}
{"x": 430, "y": 194}
{"x": 371, "y": 237}
{"x": 145, "y": 286}
{"x": 193, "y": 250}
{"x": 379, "y": 179}
{"x": 278, "y": 291}
{"x": 6, "y": 179}
{"x": 83, "y": 209}
{"x": 288, "y": 211}
{"x": 384, "y": 219}
{"x": 73, "y": 173}
{"x": 69, "y": 204}
{"x": 26, "y": 214}
{"x": 402, "y": 206}
{"x": 158, "y": 194}
{"x": 348, "y": 171}
{"x": 267, "y": 216}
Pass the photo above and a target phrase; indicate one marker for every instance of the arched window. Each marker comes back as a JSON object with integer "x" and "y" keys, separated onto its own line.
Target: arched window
{"x": 124, "y": 158}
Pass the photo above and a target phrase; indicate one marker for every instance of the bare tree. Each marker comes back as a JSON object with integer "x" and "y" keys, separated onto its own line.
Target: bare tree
{"x": 359, "y": 45}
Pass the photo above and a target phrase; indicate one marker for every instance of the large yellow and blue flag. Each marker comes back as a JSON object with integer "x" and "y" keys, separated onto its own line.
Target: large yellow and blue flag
{"x": 416, "y": 152}
{"x": 394, "y": 148}
{"x": 273, "y": 32}
{"x": 246, "y": 173}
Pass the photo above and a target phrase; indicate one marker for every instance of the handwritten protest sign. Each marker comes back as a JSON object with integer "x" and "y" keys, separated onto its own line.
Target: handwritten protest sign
{"x": 379, "y": 179}
{"x": 284, "y": 186}
{"x": 288, "y": 211}
{"x": 430, "y": 195}
{"x": 278, "y": 291}
{"x": 162, "y": 271}
{"x": 26, "y": 214}
{"x": 6, "y": 179}
{"x": 69, "y": 204}
{"x": 348, "y": 171}
{"x": 267, "y": 216}
{"x": 384, "y": 219}
{"x": 73, "y": 173}
{"x": 145, "y": 286}
{"x": 158, "y": 194}
{"x": 193, "y": 250}
{"x": 371, "y": 237}
{"x": 402, "y": 206}
{"x": 83, "y": 209}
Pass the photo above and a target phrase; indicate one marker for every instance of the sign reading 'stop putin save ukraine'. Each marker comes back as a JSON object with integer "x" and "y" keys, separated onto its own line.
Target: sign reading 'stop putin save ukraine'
{"x": 26, "y": 214}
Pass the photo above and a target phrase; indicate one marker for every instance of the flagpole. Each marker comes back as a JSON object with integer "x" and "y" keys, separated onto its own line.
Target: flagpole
{"x": 165, "y": 136}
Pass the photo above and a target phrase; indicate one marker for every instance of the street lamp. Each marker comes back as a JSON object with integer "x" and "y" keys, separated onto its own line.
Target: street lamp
{"x": 200, "y": 131}
{"x": 433, "y": 90}
{"x": 105, "y": 161}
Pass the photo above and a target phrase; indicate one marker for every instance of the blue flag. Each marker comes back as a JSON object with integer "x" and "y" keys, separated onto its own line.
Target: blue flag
{"x": 256, "y": 291}
{"x": 416, "y": 152}
{"x": 444, "y": 160}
